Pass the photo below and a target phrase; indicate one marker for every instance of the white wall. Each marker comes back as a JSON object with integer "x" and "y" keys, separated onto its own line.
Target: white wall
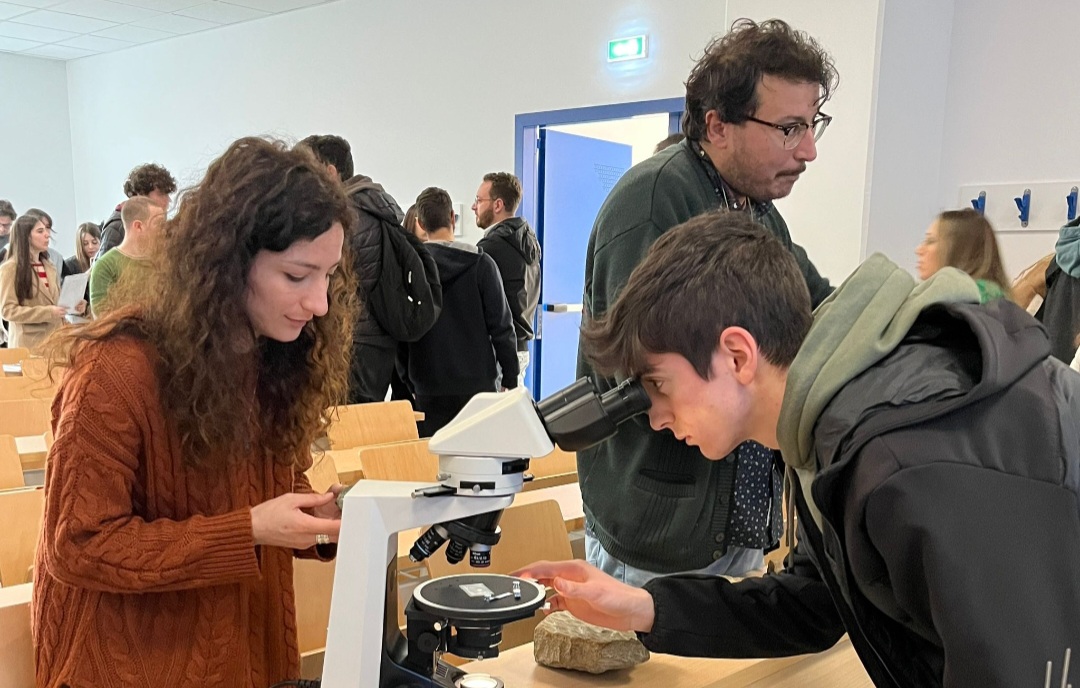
{"x": 35, "y": 138}
{"x": 1013, "y": 104}
{"x": 904, "y": 191}
{"x": 427, "y": 92}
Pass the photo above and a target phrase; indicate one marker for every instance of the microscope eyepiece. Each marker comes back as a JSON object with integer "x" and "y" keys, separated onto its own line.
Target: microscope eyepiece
{"x": 625, "y": 401}
{"x": 577, "y": 417}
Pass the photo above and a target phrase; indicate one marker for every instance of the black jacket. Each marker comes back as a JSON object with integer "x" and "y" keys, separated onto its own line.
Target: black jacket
{"x": 948, "y": 485}
{"x": 112, "y": 232}
{"x": 1060, "y": 309}
{"x": 457, "y": 356}
{"x": 373, "y": 206}
{"x": 513, "y": 246}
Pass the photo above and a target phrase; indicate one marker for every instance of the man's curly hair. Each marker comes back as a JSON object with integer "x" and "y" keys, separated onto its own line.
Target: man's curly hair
{"x": 145, "y": 178}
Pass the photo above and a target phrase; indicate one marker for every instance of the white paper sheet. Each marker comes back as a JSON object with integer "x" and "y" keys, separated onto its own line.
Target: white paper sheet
{"x": 73, "y": 290}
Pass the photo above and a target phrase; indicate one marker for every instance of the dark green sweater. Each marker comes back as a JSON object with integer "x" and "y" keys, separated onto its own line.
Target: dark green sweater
{"x": 652, "y": 501}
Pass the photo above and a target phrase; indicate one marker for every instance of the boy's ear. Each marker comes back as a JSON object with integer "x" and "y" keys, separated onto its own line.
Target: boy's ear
{"x": 740, "y": 351}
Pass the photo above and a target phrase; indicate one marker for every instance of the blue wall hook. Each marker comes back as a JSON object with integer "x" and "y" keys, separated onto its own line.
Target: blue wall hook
{"x": 1071, "y": 201}
{"x": 980, "y": 203}
{"x": 1024, "y": 205}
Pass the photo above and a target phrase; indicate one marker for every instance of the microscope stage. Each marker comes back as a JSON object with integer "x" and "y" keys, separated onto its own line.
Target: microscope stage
{"x": 482, "y": 597}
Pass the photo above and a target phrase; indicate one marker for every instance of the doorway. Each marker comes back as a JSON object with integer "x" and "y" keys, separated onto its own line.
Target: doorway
{"x": 568, "y": 161}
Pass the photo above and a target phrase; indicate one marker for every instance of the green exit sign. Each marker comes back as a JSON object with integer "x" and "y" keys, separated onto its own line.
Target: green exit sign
{"x": 632, "y": 48}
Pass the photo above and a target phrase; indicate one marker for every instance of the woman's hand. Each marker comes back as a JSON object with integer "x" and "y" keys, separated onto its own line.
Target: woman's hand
{"x": 59, "y": 311}
{"x": 281, "y": 521}
{"x": 80, "y": 307}
{"x": 330, "y": 510}
{"x": 593, "y": 596}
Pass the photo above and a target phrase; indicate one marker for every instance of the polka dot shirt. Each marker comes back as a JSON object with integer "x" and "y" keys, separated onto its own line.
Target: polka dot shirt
{"x": 756, "y": 519}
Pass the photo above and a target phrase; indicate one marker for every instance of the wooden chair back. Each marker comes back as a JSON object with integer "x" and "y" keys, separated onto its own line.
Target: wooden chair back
{"x": 406, "y": 461}
{"x": 10, "y": 356}
{"x": 358, "y": 425}
{"x": 323, "y": 473}
{"x": 530, "y": 532}
{"x": 16, "y": 642}
{"x": 24, "y": 387}
{"x": 11, "y": 470}
{"x": 557, "y": 468}
{"x": 38, "y": 369}
{"x": 21, "y": 512}
{"x": 314, "y": 580}
{"x": 24, "y": 417}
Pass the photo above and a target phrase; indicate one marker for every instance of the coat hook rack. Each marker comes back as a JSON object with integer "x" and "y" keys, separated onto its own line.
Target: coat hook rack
{"x": 1071, "y": 201}
{"x": 980, "y": 203}
{"x": 1023, "y": 204}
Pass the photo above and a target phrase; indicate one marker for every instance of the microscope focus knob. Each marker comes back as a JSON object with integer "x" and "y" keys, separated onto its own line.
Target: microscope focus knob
{"x": 428, "y": 643}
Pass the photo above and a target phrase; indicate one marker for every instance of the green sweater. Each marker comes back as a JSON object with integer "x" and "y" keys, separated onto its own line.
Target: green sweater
{"x": 105, "y": 272}
{"x": 652, "y": 501}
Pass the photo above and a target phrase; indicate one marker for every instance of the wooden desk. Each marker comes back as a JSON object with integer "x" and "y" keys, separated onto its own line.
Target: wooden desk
{"x": 838, "y": 667}
{"x": 12, "y": 370}
{"x": 32, "y": 451}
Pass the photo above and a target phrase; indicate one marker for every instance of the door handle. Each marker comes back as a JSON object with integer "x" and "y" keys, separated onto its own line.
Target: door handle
{"x": 562, "y": 307}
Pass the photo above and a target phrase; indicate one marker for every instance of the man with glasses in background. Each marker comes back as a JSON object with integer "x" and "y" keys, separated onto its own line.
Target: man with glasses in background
{"x": 512, "y": 244}
{"x": 653, "y": 504}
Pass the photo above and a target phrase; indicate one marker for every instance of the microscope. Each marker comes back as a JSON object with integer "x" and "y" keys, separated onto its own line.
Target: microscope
{"x": 484, "y": 454}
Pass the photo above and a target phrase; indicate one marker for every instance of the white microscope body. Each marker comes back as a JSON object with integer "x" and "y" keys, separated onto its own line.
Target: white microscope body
{"x": 482, "y": 454}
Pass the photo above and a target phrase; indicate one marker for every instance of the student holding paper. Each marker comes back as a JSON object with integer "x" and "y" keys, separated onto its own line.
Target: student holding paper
{"x": 30, "y": 286}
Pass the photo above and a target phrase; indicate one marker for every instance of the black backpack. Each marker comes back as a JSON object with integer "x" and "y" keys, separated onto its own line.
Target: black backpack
{"x": 407, "y": 297}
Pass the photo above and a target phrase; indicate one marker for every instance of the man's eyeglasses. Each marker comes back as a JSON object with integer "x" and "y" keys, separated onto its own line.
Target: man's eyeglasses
{"x": 477, "y": 200}
{"x": 794, "y": 132}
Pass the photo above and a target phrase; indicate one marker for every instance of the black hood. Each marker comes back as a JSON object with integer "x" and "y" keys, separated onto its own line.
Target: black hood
{"x": 371, "y": 197}
{"x": 955, "y": 355}
{"x": 516, "y": 232}
{"x": 453, "y": 258}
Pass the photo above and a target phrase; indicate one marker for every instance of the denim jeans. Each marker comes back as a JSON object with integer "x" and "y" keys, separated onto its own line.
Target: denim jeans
{"x": 738, "y": 561}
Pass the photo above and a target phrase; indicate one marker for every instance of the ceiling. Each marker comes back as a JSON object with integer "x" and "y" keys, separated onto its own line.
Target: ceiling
{"x": 70, "y": 29}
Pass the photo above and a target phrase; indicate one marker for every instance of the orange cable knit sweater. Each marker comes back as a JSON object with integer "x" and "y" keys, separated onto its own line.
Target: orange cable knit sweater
{"x": 147, "y": 574}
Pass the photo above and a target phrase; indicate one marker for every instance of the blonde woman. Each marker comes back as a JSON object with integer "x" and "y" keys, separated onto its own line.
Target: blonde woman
{"x": 87, "y": 242}
{"x": 964, "y": 239}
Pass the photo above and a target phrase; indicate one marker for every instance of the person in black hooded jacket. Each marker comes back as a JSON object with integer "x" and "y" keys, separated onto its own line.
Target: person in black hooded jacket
{"x": 456, "y": 358}
{"x": 374, "y": 347}
{"x": 932, "y": 452}
{"x": 513, "y": 245}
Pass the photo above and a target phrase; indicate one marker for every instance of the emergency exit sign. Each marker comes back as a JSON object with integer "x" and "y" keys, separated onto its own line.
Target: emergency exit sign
{"x": 632, "y": 48}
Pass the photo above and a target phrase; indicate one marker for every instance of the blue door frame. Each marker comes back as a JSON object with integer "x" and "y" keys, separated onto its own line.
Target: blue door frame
{"x": 526, "y": 165}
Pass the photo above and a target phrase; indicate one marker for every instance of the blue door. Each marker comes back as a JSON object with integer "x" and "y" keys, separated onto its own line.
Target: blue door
{"x": 575, "y": 174}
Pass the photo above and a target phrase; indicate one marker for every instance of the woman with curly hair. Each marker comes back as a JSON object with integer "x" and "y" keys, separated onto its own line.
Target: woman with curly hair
{"x": 30, "y": 285}
{"x": 175, "y": 489}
